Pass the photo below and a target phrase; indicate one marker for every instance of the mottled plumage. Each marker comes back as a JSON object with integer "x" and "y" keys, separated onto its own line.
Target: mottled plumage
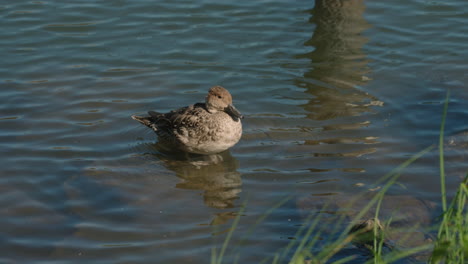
{"x": 202, "y": 128}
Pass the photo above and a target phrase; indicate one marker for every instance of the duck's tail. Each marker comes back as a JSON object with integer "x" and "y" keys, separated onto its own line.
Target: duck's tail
{"x": 144, "y": 120}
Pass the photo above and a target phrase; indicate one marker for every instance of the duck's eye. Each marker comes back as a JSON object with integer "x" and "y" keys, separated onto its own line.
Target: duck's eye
{"x": 219, "y": 96}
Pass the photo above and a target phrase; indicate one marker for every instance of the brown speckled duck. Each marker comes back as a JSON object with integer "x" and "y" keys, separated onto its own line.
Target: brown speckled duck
{"x": 202, "y": 128}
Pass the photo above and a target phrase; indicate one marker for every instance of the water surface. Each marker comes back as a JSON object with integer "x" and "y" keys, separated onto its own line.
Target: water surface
{"x": 336, "y": 94}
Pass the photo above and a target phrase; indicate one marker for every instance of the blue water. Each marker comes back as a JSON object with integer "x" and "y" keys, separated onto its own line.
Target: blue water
{"x": 335, "y": 93}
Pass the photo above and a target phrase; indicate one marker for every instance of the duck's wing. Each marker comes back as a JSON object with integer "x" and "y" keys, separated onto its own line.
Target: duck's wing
{"x": 182, "y": 116}
{"x": 169, "y": 123}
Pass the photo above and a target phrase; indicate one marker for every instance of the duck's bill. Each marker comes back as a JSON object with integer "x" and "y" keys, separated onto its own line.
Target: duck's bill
{"x": 232, "y": 111}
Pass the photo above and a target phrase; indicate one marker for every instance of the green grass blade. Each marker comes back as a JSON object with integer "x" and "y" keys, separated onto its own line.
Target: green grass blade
{"x": 394, "y": 256}
{"x": 298, "y": 234}
{"x": 276, "y": 259}
{"x": 441, "y": 153}
{"x": 231, "y": 231}
{"x": 213, "y": 256}
{"x": 344, "y": 260}
{"x": 262, "y": 218}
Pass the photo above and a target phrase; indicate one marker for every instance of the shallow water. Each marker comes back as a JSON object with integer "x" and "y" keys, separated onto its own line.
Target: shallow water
{"x": 335, "y": 96}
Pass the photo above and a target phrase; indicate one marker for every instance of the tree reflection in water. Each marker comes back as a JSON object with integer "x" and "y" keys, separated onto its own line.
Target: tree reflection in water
{"x": 338, "y": 62}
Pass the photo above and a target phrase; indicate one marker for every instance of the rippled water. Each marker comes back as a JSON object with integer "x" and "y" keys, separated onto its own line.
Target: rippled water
{"x": 335, "y": 95}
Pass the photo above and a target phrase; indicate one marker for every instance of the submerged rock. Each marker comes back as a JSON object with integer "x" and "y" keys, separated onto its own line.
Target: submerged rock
{"x": 402, "y": 220}
{"x": 458, "y": 141}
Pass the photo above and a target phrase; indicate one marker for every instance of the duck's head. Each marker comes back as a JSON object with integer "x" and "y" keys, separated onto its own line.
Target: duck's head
{"x": 219, "y": 99}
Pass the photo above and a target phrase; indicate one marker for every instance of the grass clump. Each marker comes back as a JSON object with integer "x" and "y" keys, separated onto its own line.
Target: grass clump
{"x": 451, "y": 245}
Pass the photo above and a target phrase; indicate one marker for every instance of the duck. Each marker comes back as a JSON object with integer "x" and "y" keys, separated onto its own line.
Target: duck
{"x": 202, "y": 128}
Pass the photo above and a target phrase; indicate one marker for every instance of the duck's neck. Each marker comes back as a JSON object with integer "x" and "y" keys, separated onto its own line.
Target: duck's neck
{"x": 211, "y": 110}
{"x": 209, "y": 107}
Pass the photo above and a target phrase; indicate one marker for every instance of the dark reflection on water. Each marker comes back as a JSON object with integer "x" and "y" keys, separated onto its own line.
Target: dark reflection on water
{"x": 216, "y": 175}
{"x": 339, "y": 64}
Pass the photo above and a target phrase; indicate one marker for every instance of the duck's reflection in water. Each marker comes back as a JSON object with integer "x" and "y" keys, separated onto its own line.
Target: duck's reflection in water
{"x": 216, "y": 175}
